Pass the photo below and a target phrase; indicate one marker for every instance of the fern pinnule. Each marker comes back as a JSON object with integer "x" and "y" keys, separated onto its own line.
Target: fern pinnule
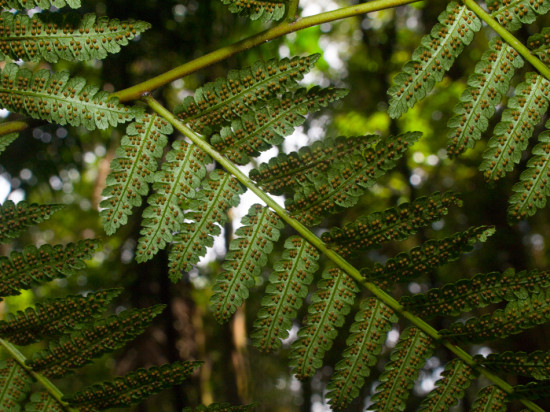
{"x": 6, "y": 140}
{"x": 54, "y": 36}
{"x": 511, "y": 135}
{"x": 400, "y": 373}
{"x": 14, "y": 218}
{"x": 176, "y": 183}
{"x": 396, "y": 223}
{"x": 512, "y": 14}
{"x": 245, "y": 259}
{"x": 263, "y": 10}
{"x": 91, "y": 341}
{"x": 54, "y": 317}
{"x": 58, "y": 98}
{"x": 218, "y": 103}
{"x": 478, "y": 292}
{"x": 133, "y": 169}
{"x": 532, "y": 390}
{"x": 131, "y": 388}
{"x": 478, "y": 103}
{"x": 347, "y": 179}
{"x": 368, "y": 334}
{"x": 329, "y": 306}
{"x": 438, "y": 50}
{"x": 266, "y": 126}
{"x": 207, "y": 214}
{"x": 540, "y": 45}
{"x": 43, "y": 402}
{"x": 535, "y": 365}
{"x": 32, "y": 266}
{"x": 428, "y": 256}
{"x": 285, "y": 172}
{"x": 43, "y": 4}
{"x": 221, "y": 407}
{"x": 284, "y": 294}
{"x": 450, "y": 388}
{"x": 15, "y": 384}
{"x": 490, "y": 399}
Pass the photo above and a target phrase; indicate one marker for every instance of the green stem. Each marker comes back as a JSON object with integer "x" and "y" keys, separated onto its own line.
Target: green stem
{"x": 138, "y": 90}
{"x": 333, "y": 256}
{"x": 45, "y": 382}
{"x": 291, "y": 10}
{"x": 509, "y": 38}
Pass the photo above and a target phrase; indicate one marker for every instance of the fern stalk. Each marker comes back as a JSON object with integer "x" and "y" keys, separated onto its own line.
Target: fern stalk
{"x": 45, "y": 382}
{"x": 291, "y": 10}
{"x": 333, "y": 256}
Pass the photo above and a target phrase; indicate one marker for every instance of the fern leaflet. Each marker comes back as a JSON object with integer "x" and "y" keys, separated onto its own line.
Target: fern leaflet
{"x": 540, "y": 45}
{"x": 14, "y": 218}
{"x": 264, "y": 10}
{"x": 284, "y": 295}
{"x": 221, "y": 407}
{"x": 532, "y": 390}
{"x": 433, "y": 58}
{"x": 15, "y": 383}
{"x": 490, "y": 399}
{"x": 43, "y": 4}
{"x": 513, "y": 13}
{"x": 534, "y": 365}
{"x": 6, "y": 140}
{"x": 43, "y": 402}
{"x": 244, "y": 262}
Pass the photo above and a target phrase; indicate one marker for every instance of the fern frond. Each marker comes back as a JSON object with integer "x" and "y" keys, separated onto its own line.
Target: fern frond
{"x": 540, "y": 45}
{"x": 512, "y": 14}
{"x": 531, "y": 191}
{"x": 218, "y": 103}
{"x": 285, "y": 172}
{"x": 54, "y": 36}
{"x": 396, "y": 223}
{"x": 267, "y": 126}
{"x": 487, "y": 85}
{"x": 450, "y": 388}
{"x": 54, "y": 317}
{"x": 133, "y": 169}
{"x": 181, "y": 174}
{"x": 484, "y": 289}
{"x": 368, "y": 334}
{"x": 92, "y": 341}
{"x": 14, "y": 218}
{"x": 6, "y": 140}
{"x": 284, "y": 295}
{"x": 428, "y": 256}
{"x": 245, "y": 259}
{"x": 132, "y": 387}
{"x": 43, "y": 4}
{"x": 15, "y": 384}
{"x": 433, "y": 58}
{"x": 329, "y": 306}
{"x": 532, "y": 390}
{"x": 490, "y": 399}
{"x": 43, "y": 402}
{"x": 347, "y": 179}
{"x": 207, "y": 214}
{"x": 534, "y": 365}
{"x": 514, "y": 318}
{"x": 264, "y": 10}
{"x": 511, "y": 134}
{"x": 22, "y": 270}
{"x": 221, "y": 407}
{"x": 57, "y": 98}
{"x": 399, "y": 375}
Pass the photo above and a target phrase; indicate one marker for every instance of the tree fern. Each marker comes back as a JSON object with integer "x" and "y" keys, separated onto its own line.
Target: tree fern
{"x": 14, "y": 218}
{"x": 44, "y": 4}
{"x": 490, "y": 399}
{"x": 456, "y": 28}
{"x": 263, "y": 10}
{"x": 513, "y": 13}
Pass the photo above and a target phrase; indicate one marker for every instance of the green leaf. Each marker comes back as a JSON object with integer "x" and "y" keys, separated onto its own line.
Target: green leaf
{"x": 266, "y": 126}
{"x": 181, "y": 175}
{"x": 91, "y": 341}
{"x": 54, "y": 317}
{"x": 511, "y": 135}
{"x": 208, "y": 213}
{"x": 329, "y": 306}
{"x": 428, "y": 256}
{"x": 285, "y": 172}
{"x": 14, "y": 218}
{"x": 455, "y": 379}
{"x": 43, "y": 4}
{"x": 540, "y": 45}
{"x": 132, "y": 388}
{"x": 221, "y": 407}
{"x": 367, "y": 336}
{"x": 535, "y": 365}
{"x": 532, "y": 390}
{"x": 263, "y": 10}
{"x": 218, "y": 103}
{"x": 6, "y": 140}
{"x": 32, "y": 266}
{"x": 284, "y": 295}
{"x": 490, "y": 399}
{"x": 347, "y": 179}
{"x": 54, "y": 36}
{"x": 484, "y": 289}
{"x": 15, "y": 384}
{"x": 244, "y": 261}
{"x": 478, "y": 103}
{"x": 433, "y": 58}
{"x": 43, "y": 402}
{"x": 399, "y": 375}
{"x": 397, "y": 223}
{"x": 133, "y": 169}
{"x": 58, "y": 98}
{"x": 511, "y": 14}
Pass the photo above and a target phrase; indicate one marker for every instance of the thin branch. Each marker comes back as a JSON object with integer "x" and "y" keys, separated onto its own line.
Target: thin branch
{"x": 333, "y": 256}
{"x": 138, "y": 90}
